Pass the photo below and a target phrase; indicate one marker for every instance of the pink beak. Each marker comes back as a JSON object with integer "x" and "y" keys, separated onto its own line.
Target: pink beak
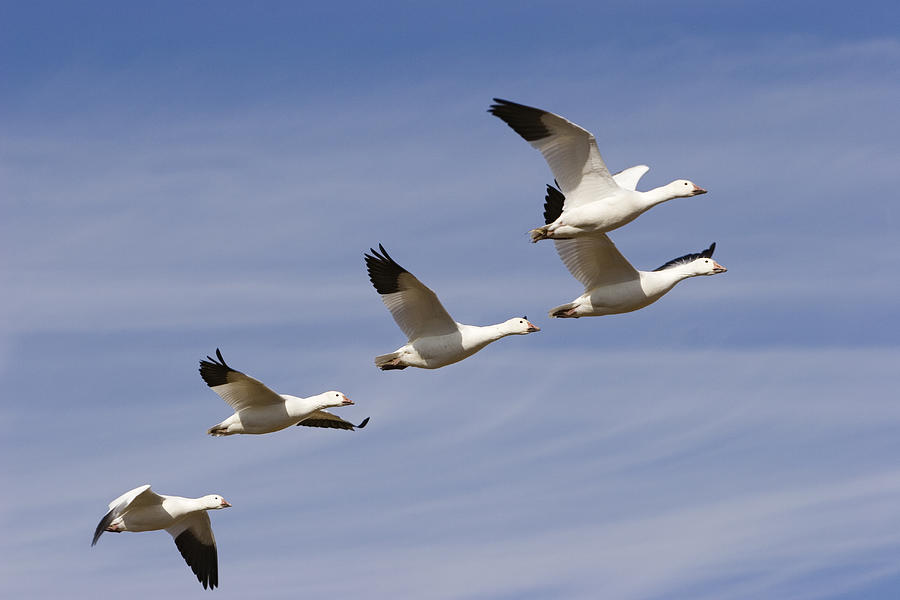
{"x": 532, "y": 327}
{"x": 347, "y": 401}
{"x": 225, "y": 503}
{"x": 717, "y": 268}
{"x": 698, "y": 190}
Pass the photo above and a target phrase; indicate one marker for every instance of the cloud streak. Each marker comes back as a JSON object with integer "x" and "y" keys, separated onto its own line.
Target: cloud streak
{"x": 732, "y": 441}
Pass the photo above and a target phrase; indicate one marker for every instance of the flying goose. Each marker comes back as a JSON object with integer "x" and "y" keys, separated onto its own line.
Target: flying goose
{"x": 595, "y": 200}
{"x": 611, "y": 284}
{"x": 257, "y": 409}
{"x": 141, "y": 509}
{"x": 435, "y": 339}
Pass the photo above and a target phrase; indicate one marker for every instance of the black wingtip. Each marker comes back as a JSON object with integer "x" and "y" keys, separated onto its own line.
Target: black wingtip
{"x": 215, "y": 372}
{"x": 499, "y": 103}
{"x": 363, "y": 424}
{"x": 202, "y": 559}
{"x": 553, "y": 204}
{"x": 524, "y": 120}
{"x": 384, "y": 272}
{"x": 681, "y": 260}
{"x": 101, "y": 526}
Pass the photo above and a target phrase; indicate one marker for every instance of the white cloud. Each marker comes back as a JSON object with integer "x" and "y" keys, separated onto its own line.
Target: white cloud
{"x": 592, "y": 458}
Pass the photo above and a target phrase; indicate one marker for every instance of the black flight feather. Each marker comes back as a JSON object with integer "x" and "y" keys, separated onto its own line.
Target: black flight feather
{"x": 553, "y": 204}
{"x": 215, "y": 372}
{"x": 104, "y": 523}
{"x": 202, "y": 559}
{"x": 682, "y": 260}
{"x": 524, "y": 120}
{"x": 384, "y": 273}
{"x": 329, "y": 423}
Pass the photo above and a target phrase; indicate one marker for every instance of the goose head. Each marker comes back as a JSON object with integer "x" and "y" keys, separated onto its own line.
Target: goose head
{"x": 214, "y": 502}
{"x": 334, "y": 398}
{"x": 705, "y": 266}
{"x": 520, "y": 326}
{"x": 683, "y": 188}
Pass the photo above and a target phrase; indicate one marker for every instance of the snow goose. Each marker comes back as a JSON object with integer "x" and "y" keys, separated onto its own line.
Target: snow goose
{"x": 257, "y": 409}
{"x": 141, "y": 509}
{"x": 611, "y": 284}
{"x": 435, "y": 339}
{"x": 596, "y": 201}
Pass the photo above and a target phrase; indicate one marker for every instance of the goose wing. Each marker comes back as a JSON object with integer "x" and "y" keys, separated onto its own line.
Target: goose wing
{"x": 682, "y": 260}
{"x": 238, "y": 390}
{"x": 570, "y": 150}
{"x": 197, "y": 544}
{"x": 323, "y": 418}
{"x": 595, "y": 261}
{"x": 136, "y": 498}
{"x": 415, "y": 308}
{"x": 628, "y": 178}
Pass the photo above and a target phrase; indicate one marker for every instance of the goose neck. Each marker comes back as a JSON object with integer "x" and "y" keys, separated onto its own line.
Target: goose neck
{"x": 656, "y": 196}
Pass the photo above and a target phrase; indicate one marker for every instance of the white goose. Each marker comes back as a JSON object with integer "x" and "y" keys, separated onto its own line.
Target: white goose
{"x": 435, "y": 339}
{"x": 258, "y": 409}
{"x": 611, "y": 284}
{"x": 596, "y": 201}
{"x": 185, "y": 519}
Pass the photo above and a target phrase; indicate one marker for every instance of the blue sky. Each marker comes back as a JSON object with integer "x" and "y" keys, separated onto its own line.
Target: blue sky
{"x": 176, "y": 178}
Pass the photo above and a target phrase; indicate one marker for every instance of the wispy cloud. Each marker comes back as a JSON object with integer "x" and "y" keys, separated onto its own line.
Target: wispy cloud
{"x": 733, "y": 441}
{"x": 742, "y": 472}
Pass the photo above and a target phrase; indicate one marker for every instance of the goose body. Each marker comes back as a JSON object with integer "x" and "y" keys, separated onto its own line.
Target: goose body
{"x": 595, "y": 200}
{"x": 258, "y": 409}
{"x": 186, "y": 520}
{"x": 435, "y": 339}
{"x": 612, "y": 285}
{"x": 432, "y": 352}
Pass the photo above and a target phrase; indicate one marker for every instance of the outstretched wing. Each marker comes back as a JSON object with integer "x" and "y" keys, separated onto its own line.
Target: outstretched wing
{"x": 570, "y": 150}
{"x": 323, "y": 418}
{"x": 595, "y": 261}
{"x": 238, "y": 390}
{"x": 415, "y": 308}
{"x": 197, "y": 544}
{"x": 139, "y": 496}
{"x": 628, "y": 178}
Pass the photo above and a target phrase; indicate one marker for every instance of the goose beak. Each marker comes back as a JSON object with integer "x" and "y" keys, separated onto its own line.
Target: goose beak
{"x": 346, "y": 401}
{"x": 532, "y": 327}
{"x": 225, "y": 504}
{"x": 698, "y": 190}
{"x": 717, "y": 268}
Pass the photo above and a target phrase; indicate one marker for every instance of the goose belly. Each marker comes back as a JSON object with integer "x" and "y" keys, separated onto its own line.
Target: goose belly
{"x": 442, "y": 350}
{"x": 619, "y": 298}
{"x": 598, "y": 216}
{"x": 265, "y": 419}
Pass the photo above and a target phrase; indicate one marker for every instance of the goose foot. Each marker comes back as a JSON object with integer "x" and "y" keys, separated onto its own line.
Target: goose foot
{"x": 541, "y": 233}
{"x": 392, "y": 365}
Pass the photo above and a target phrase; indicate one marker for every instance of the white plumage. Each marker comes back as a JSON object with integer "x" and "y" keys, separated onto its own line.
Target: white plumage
{"x": 612, "y": 285}
{"x": 595, "y": 200}
{"x": 186, "y": 520}
{"x": 258, "y": 409}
